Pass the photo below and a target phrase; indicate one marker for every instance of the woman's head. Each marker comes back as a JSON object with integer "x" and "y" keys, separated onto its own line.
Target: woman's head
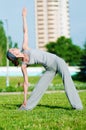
{"x": 12, "y": 58}
{"x": 13, "y": 54}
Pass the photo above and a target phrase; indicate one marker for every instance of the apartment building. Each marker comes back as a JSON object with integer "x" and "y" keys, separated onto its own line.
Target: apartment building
{"x": 51, "y": 21}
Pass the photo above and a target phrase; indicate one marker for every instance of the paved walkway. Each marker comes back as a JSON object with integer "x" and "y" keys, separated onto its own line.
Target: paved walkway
{"x": 56, "y": 91}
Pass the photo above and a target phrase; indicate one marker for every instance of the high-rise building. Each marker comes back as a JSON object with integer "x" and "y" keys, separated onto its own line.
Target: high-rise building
{"x": 51, "y": 21}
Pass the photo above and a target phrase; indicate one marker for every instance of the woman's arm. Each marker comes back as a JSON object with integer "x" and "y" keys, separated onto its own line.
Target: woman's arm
{"x": 25, "y": 30}
{"x": 24, "y": 71}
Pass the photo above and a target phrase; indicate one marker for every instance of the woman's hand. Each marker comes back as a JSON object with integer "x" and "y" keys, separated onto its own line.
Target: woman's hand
{"x": 24, "y": 12}
{"x": 24, "y": 103}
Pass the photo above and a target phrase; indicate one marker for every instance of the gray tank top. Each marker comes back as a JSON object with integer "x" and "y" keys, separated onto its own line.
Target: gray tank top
{"x": 37, "y": 56}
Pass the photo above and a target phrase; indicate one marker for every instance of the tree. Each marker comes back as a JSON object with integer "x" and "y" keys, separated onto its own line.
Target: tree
{"x": 3, "y": 45}
{"x": 3, "y": 41}
{"x": 82, "y": 74}
{"x": 11, "y": 45}
{"x": 64, "y": 48}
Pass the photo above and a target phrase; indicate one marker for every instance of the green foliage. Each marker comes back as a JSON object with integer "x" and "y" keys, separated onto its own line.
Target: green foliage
{"x": 64, "y": 48}
{"x": 15, "y": 45}
{"x": 52, "y": 113}
{"x": 3, "y": 47}
{"x": 11, "y": 44}
{"x": 82, "y": 74}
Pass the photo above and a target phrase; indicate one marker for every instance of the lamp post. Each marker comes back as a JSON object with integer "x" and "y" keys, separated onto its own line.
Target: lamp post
{"x": 7, "y": 76}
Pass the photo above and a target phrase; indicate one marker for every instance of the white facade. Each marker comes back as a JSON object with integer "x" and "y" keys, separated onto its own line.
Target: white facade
{"x": 51, "y": 21}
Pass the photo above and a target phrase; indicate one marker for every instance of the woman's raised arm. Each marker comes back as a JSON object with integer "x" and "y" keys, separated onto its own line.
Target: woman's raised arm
{"x": 25, "y": 30}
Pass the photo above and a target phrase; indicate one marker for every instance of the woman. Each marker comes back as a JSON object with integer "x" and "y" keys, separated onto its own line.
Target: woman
{"x": 53, "y": 65}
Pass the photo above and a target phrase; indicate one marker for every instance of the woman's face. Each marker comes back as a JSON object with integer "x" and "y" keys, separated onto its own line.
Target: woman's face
{"x": 16, "y": 52}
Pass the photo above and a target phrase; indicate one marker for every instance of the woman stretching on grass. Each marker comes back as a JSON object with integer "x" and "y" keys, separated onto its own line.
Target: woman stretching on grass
{"x": 52, "y": 64}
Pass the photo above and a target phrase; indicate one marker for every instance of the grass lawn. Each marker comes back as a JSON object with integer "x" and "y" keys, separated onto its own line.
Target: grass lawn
{"x": 16, "y": 83}
{"x": 52, "y": 113}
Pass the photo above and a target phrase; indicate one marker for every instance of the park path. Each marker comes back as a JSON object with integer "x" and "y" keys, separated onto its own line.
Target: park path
{"x": 47, "y": 92}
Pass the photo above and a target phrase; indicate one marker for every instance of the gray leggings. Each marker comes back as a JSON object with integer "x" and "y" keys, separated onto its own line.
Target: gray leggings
{"x": 45, "y": 80}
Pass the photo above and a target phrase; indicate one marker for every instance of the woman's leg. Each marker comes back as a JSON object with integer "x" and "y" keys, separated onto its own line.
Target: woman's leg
{"x": 70, "y": 89}
{"x": 39, "y": 90}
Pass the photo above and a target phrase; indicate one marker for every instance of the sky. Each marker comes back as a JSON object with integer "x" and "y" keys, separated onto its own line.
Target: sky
{"x": 11, "y": 15}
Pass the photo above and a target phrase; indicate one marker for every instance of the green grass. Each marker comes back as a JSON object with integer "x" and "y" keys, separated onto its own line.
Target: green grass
{"x": 52, "y": 113}
{"x": 15, "y": 84}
